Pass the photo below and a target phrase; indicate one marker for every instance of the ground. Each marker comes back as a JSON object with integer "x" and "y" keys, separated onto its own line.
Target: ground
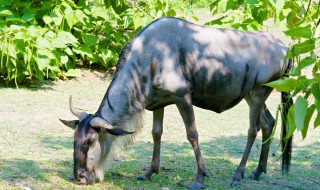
{"x": 36, "y": 149}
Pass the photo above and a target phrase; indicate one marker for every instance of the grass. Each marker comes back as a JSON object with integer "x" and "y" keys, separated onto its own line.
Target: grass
{"x": 36, "y": 149}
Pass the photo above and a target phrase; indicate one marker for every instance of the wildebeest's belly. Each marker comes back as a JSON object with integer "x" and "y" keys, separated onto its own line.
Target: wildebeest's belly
{"x": 222, "y": 93}
{"x": 216, "y": 103}
{"x": 210, "y": 98}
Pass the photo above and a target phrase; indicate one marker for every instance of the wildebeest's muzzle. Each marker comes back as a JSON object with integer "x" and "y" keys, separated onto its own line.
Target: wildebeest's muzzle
{"x": 83, "y": 177}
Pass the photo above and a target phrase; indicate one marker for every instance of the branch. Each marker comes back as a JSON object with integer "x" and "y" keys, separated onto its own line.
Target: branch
{"x": 307, "y": 8}
{"x": 135, "y": 5}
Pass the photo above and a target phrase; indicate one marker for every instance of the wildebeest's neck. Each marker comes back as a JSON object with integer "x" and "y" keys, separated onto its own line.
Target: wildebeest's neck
{"x": 123, "y": 98}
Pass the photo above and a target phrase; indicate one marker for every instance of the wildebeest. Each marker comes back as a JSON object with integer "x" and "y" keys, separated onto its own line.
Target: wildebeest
{"x": 172, "y": 61}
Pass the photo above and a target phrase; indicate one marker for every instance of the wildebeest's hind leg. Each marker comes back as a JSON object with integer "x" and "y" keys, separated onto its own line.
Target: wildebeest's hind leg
{"x": 266, "y": 124}
{"x": 256, "y": 100}
{"x": 186, "y": 111}
{"x": 156, "y": 134}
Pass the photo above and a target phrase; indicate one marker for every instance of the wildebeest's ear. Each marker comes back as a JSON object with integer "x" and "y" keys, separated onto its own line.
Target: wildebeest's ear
{"x": 73, "y": 124}
{"x": 118, "y": 132}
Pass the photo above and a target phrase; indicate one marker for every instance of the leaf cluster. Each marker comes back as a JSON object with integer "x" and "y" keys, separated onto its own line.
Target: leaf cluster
{"x": 298, "y": 20}
{"x": 45, "y": 39}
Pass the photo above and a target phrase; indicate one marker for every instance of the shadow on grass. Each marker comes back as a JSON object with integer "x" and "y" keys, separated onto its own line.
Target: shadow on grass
{"x": 34, "y": 84}
{"x": 29, "y": 84}
{"x": 29, "y": 171}
{"x": 178, "y": 164}
{"x": 57, "y": 142}
{"x": 221, "y": 157}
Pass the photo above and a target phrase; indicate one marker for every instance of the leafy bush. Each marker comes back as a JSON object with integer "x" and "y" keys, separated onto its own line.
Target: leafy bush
{"x": 44, "y": 39}
{"x": 298, "y": 20}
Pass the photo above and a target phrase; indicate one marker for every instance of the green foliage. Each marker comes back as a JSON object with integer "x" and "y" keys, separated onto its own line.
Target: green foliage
{"x": 45, "y": 39}
{"x": 298, "y": 20}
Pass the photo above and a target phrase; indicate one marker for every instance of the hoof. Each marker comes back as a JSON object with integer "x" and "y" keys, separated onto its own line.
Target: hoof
{"x": 142, "y": 178}
{"x": 71, "y": 178}
{"x": 253, "y": 177}
{"x": 196, "y": 185}
{"x": 235, "y": 183}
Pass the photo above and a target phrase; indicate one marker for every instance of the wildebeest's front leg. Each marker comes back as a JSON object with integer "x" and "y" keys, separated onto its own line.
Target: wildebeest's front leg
{"x": 156, "y": 134}
{"x": 256, "y": 101}
{"x": 266, "y": 124}
{"x": 186, "y": 110}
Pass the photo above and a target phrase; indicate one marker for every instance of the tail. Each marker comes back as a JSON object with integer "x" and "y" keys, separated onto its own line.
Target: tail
{"x": 286, "y": 144}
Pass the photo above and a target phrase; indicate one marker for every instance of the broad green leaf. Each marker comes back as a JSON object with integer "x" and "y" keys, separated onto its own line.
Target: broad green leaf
{"x": 33, "y": 31}
{"x": 69, "y": 51}
{"x": 63, "y": 39}
{"x": 20, "y": 45}
{"x": 43, "y": 43}
{"x": 89, "y": 39}
{"x": 301, "y": 48}
{"x": 303, "y": 32}
{"x": 52, "y": 75}
{"x": 14, "y": 27}
{"x": 315, "y": 90}
{"x": 95, "y": 58}
{"x": 56, "y": 17}
{"x": 27, "y": 17}
{"x": 47, "y": 19}
{"x": 80, "y": 16}
{"x": 101, "y": 12}
{"x": 119, "y": 6}
{"x": 43, "y": 62}
{"x": 11, "y": 51}
{"x": 302, "y": 84}
{"x": 279, "y": 6}
{"x": 106, "y": 55}
{"x": 305, "y": 63}
{"x": 13, "y": 18}
{"x": 70, "y": 64}
{"x": 222, "y": 6}
{"x": 137, "y": 22}
{"x": 54, "y": 69}
{"x": 50, "y": 34}
{"x": 317, "y": 121}
{"x": 83, "y": 50}
{"x": 5, "y": 13}
{"x": 71, "y": 20}
{"x": 283, "y": 85}
{"x": 64, "y": 59}
{"x": 217, "y": 21}
{"x": 39, "y": 74}
{"x": 291, "y": 127}
{"x": 318, "y": 64}
{"x": 73, "y": 73}
{"x": 300, "y": 110}
{"x": 307, "y": 119}
{"x": 28, "y": 56}
{"x": 22, "y": 35}
{"x": 60, "y": 57}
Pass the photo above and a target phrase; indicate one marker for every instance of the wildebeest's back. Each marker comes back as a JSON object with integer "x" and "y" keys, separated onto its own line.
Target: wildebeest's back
{"x": 217, "y": 66}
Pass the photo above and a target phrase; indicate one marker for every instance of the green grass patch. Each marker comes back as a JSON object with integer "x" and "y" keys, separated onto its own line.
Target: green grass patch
{"x": 36, "y": 149}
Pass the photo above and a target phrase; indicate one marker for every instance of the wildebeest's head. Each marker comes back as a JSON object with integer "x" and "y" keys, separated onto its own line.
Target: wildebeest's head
{"x": 90, "y": 144}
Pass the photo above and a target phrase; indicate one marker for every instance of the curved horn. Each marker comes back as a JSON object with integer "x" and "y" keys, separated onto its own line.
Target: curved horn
{"x": 74, "y": 111}
{"x": 101, "y": 123}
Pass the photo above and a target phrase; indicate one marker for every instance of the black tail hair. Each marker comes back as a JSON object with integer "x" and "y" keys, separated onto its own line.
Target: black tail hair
{"x": 286, "y": 143}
